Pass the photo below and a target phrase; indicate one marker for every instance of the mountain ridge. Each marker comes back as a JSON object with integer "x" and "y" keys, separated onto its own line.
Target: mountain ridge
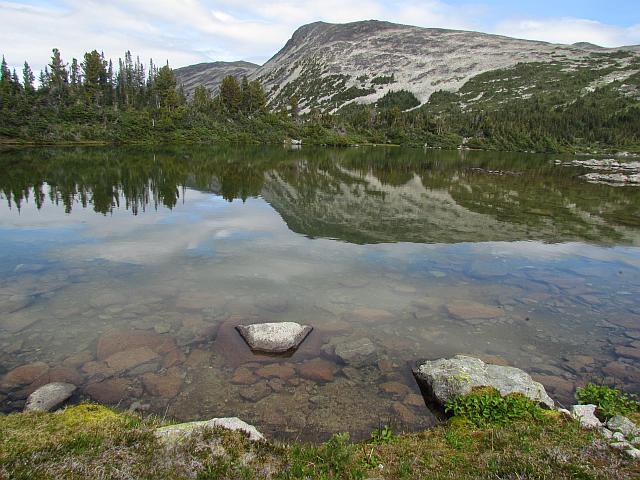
{"x": 327, "y": 65}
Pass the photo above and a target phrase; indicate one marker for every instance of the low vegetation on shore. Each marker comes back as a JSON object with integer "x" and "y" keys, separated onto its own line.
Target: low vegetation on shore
{"x": 94, "y": 101}
{"x": 489, "y": 437}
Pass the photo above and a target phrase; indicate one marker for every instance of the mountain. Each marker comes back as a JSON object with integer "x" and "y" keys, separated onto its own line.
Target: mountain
{"x": 328, "y": 65}
{"x": 440, "y": 198}
{"x": 211, "y": 74}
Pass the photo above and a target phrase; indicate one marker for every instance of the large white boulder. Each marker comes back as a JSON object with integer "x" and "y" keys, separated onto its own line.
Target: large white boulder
{"x": 175, "y": 433}
{"x": 274, "y": 337}
{"x": 444, "y": 379}
{"x": 49, "y": 396}
{"x": 586, "y": 415}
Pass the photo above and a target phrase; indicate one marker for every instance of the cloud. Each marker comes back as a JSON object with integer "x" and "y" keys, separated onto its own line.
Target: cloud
{"x": 191, "y": 31}
{"x": 570, "y": 30}
{"x": 188, "y": 31}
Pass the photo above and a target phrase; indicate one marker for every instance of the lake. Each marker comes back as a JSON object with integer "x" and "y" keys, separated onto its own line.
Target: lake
{"x": 125, "y": 271}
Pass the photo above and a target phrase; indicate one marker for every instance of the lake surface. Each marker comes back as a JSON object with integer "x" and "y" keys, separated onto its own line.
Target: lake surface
{"x": 125, "y": 271}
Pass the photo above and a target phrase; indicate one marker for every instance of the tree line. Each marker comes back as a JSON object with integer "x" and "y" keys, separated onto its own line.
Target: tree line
{"x": 96, "y": 100}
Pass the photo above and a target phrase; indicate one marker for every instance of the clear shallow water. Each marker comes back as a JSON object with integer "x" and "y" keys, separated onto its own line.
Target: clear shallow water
{"x": 126, "y": 270}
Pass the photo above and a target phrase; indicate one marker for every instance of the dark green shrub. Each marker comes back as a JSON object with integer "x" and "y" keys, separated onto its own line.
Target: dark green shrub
{"x": 485, "y": 407}
{"x": 610, "y": 401}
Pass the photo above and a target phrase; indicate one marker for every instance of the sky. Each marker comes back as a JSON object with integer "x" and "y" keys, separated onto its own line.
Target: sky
{"x": 185, "y": 32}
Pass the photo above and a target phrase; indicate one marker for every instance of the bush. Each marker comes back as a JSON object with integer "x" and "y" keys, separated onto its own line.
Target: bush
{"x": 610, "y": 401}
{"x": 486, "y": 407}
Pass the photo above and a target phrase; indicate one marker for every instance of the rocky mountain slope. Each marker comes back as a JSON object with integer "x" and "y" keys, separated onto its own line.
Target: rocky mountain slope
{"x": 211, "y": 74}
{"x": 329, "y": 65}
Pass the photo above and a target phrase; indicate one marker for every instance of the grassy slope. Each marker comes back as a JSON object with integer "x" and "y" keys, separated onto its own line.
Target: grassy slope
{"x": 90, "y": 441}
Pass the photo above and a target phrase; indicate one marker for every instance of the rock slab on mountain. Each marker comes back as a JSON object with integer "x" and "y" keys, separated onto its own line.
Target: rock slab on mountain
{"x": 444, "y": 379}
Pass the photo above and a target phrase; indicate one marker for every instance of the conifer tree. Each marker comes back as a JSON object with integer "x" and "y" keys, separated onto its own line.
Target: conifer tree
{"x": 27, "y": 79}
{"x": 58, "y": 78}
{"x": 165, "y": 88}
{"x": 5, "y": 77}
{"x": 230, "y": 94}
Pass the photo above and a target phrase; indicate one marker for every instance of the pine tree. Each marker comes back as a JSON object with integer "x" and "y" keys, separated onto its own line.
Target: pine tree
{"x": 165, "y": 88}
{"x": 5, "y": 78}
{"x": 94, "y": 75}
{"x": 58, "y": 78}
{"x": 75, "y": 73}
{"x": 230, "y": 94}
{"x": 201, "y": 98}
{"x": 27, "y": 79}
{"x": 293, "y": 106}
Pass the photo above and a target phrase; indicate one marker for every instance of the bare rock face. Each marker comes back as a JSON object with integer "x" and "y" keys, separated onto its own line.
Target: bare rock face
{"x": 370, "y": 58}
{"x": 49, "y": 396}
{"x": 274, "y": 337}
{"x": 210, "y": 75}
{"x": 444, "y": 379}
{"x": 175, "y": 433}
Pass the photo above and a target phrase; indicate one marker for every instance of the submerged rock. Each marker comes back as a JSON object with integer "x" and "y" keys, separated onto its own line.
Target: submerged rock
{"x": 49, "y": 396}
{"x": 274, "y": 337}
{"x": 444, "y": 379}
{"x": 174, "y": 433}
{"x": 357, "y": 353}
{"x": 317, "y": 370}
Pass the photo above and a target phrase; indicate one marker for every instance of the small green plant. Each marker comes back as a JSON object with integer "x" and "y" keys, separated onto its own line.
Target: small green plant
{"x": 333, "y": 459}
{"x": 485, "y": 407}
{"x": 381, "y": 436}
{"x": 610, "y": 401}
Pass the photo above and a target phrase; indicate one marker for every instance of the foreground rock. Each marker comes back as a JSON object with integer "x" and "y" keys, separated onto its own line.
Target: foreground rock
{"x": 274, "y": 337}
{"x": 49, "y": 396}
{"x": 444, "y": 379}
{"x": 623, "y": 425}
{"x": 586, "y": 415}
{"x": 174, "y": 433}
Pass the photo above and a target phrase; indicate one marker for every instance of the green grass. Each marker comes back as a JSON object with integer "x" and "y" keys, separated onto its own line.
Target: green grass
{"x": 91, "y": 441}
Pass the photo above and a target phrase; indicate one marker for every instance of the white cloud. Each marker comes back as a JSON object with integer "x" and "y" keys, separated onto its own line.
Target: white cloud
{"x": 570, "y": 30}
{"x": 191, "y": 31}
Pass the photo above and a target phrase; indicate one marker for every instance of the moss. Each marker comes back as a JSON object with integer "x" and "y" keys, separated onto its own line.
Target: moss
{"x": 90, "y": 441}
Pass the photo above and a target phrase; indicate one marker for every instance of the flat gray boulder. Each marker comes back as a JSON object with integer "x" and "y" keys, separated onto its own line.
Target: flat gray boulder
{"x": 49, "y": 396}
{"x": 444, "y": 379}
{"x": 623, "y": 425}
{"x": 175, "y": 433}
{"x": 274, "y": 337}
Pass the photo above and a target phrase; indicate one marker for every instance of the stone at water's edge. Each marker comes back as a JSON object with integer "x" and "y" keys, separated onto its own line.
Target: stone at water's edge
{"x": 174, "y": 433}
{"x": 274, "y": 337}
{"x": 49, "y": 396}
{"x": 623, "y": 425}
{"x": 444, "y": 379}
{"x": 586, "y": 415}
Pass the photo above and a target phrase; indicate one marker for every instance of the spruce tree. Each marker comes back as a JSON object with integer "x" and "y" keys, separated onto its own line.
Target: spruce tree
{"x": 27, "y": 79}
{"x": 230, "y": 94}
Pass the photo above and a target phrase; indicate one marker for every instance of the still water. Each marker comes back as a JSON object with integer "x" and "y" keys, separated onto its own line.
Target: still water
{"x": 125, "y": 271}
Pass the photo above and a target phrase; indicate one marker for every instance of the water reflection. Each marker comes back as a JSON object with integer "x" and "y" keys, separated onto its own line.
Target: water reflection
{"x": 360, "y": 196}
{"x": 502, "y": 256}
